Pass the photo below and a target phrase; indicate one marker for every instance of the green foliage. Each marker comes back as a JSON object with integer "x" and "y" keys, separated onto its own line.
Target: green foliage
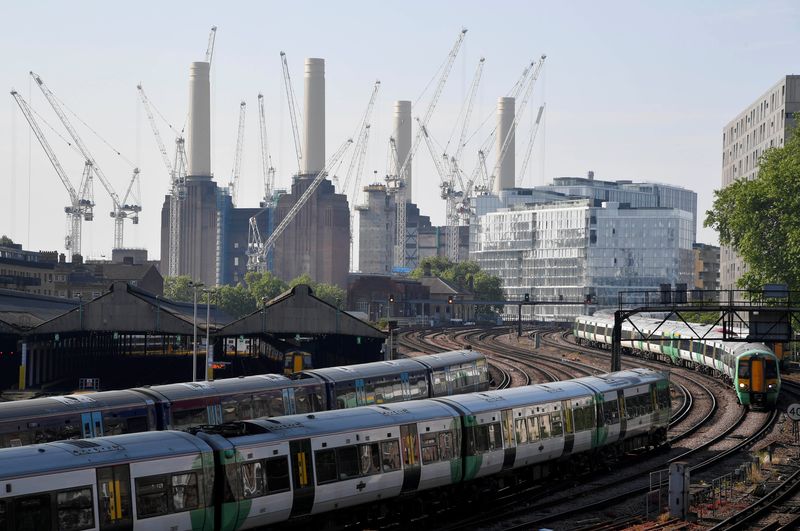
{"x": 6, "y": 241}
{"x": 759, "y": 218}
{"x": 178, "y": 288}
{"x": 708, "y": 318}
{"x": 237, "y": 301}
{"x": 330, "y": 293}
{"x": 264, "y": 285}
{"x": 467, "y": 276}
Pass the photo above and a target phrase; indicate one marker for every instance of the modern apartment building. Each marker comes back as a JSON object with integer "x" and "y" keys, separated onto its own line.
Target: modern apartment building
{"x": 763, "y": 124}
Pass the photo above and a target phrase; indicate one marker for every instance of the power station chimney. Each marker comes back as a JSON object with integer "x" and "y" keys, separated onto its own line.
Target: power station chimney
{"x": 199, "y": 147}
{"x": 401, "y": 128}
{"x": 505, "y": 124}
{"x": 314, "y": 148}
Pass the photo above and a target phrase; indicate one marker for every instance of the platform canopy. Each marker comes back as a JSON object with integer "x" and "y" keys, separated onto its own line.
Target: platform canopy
{"x": 20, "y": 311}
{"x": 298, "y": 311}
{"x": 127, "y": 309}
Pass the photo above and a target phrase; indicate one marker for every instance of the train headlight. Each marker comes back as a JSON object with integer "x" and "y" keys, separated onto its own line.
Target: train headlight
{"x": 743, "y": 387}
{"x": 771, "y": 386}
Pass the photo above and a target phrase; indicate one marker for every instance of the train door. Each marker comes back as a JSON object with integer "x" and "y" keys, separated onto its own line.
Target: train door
{"x": 757, "y": 375}
{"x": 92, "y": 424}
{"x": 405, "y": 385}
{"x": 114, "y": 498}
{"x": 361, "y": 394}
{"x": 409, "y": 442}
{"x": 510, "y": 445}
{"x": 302, "y": 477}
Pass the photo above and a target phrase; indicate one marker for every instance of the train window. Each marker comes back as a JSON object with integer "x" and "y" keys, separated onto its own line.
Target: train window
{"x": 186, "y": 418}
{"x": 663, "y": 398}
{"x": 430, "y": 448}
{"x": 533, "y": 429}
{"x": 277, "y": 472}
{"x": 253, "y": 481}
{"x": 230, "y": 410}
{"x": 32, "y": 512}
{"x": 446, "y": 445}
{"x": 245, "y": 407}
{"x": 626, "y": 334}
{"x": 184, "y": 492}
{"x": 544, "y": 426}
{"x": 307, "y": 400}
{"x": 520, "y": 426}
{"x": 390, "y": 455}
{"x": 584, "y": 418}
{"x": 276, "y": 405}
{"x": 439, "y": 379}
{"x": 697, "y": 347}
{"x": 260, "y": 406}
{"x": 611, "y": 412}
{"x": 556, "y": 426}
{"x": 771, "y": 370}
{"x": 113, "y": 424}
{"x": 74, "y": 509}
{"x": 345, "y": 396}
{"x": 325, "y": 463}
{"x": 347, "y": 461}
{"x": 744, "y": 369}
{"x": 495, "y": 436}
{"x": 151, "y": 496}
{"x": 685, "y": 344}
{"x": 370, "y": 458}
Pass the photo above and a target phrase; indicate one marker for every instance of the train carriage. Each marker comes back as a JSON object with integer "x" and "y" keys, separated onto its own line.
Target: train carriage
{"x": 150, "y": 481}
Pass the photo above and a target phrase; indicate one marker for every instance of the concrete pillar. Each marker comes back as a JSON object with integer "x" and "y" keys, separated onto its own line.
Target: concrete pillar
{"x": 505, "y": 177}
{"x": 401, "y": 130}
{"x": 314, "y": 144}
{"x": 199, "y": 137}
{"x": 679, "y": 490}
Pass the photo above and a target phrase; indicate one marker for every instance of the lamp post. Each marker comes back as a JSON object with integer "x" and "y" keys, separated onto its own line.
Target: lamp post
{"x": 194, "y": 286}
{"x": 209, "y": 350}
{"x": 389, "y": 325}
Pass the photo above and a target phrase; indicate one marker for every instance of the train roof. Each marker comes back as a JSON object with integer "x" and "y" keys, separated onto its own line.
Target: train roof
{"x": 59, "y": 456}
{"x": 452, "y": 357}
{"x": 226, "y": 386}
{"x": 66, "y": 404}
{"x": 623, "y": 379}
{"x": 516, "y": 396}
{"x": 328, "y": 422}
{"x": 365, "y": 370}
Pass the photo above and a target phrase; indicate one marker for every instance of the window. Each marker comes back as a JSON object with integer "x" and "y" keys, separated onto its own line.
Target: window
{"x": 446, "y": 447}
{"x": 325, "y": 462}
{"x": 390, "y": 455}
{"x": 347, "y": 462}
{"x": 430, "y": 448}
{"x": 544, "y": 426}
{"x": 184, "y": 492}
{"x": 556, "y": 428}
{"x": 151, "y": 496}
{"x": 771, "y": 370}
{"x": 75, "y": 510}
{"x": 521, "y": 428}
{"x": 32, "y": 512}
{"x": 611, "y": 412}
{"x": 277, "y": 474}
{"x": 369, "y": 455}
{"x": 744, "y": 369}
{"x": 533, "y": 429}
{"x": 253, "y": 484}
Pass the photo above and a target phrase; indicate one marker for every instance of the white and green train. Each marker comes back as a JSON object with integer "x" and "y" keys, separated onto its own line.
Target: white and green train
{"x": 246, "y": 475}
{"x": 751, "y": 368}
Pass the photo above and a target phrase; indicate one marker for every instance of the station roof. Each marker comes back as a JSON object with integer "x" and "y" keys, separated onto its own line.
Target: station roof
{"x": 298, "y": 311}
{"x": 20, "y": 311}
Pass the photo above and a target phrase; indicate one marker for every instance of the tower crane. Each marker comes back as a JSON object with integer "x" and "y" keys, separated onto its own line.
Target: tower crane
{"x": 212, "y": 37}
{"x": 177, "y": 179}
{"x": 359, "y": 153}
{"x": 266, "y": 159}
{"x": 257, "y": 248}
{"x": 233, "y": 185}
{"x": 81, "y": 207}
{"x": 529, "y": 149}
{"x": 294, "y": 114}
{"x": 396, "y": 183}
{"x": 122, "y": 209}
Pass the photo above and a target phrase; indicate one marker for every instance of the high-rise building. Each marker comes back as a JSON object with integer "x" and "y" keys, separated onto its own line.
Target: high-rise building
{"x": 763, "y": 124}
{"x": 706, "y": 267}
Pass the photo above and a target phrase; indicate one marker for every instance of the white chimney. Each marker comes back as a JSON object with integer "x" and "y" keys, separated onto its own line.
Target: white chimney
{"x": 505, "y": 122}
{"x": 401, "y": 130}
{"x": 314, "y": 147}
{"x": 199, "y": 147}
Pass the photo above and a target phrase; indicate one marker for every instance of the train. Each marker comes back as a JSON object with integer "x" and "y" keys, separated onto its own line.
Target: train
{"x": 250, "y": 474}
{"x": 752, "y": 369}
{"x": 183, "y": 405}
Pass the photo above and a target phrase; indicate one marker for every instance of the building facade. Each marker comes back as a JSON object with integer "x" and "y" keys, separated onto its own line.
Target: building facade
{"x": 764, "y": 124}
{"x": 569, "y": 250}
{"x": 706, "y": 267}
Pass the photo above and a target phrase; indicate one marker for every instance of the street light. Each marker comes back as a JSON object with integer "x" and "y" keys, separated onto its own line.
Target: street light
{"x": 194, "y": 286}
{"x": 209, "y": 350}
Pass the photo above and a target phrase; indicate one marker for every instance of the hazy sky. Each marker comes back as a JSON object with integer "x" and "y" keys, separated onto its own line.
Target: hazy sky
{"x": 634, "y": 90}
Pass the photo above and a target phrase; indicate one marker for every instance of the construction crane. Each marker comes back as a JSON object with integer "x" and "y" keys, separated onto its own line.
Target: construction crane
{"x": 529, "y": 149}
{"x": 359, "y": 153}
{"x": 212, "y": 37}
{"x": 233, "y": 184}
{"x": 266, "y": 160}
{"x": 396, "y": 183}
{"x": 294, "y": 114}
{"x": 177, "y": 179}
{"x": 122, "y": 209}
{"x": 257, "y": 249}
{"x": 81, "y": 207}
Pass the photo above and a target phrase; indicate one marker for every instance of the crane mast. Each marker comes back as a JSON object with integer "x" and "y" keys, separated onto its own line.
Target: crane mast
{"x": 121, "y": 211}
{"x": 362, "y": 137}
{"x": 400, "y": 177}
{"x": 529, "y": 149}
{"x": 212, "y": 37}
{"x": 81, "y": 207}
{"x": 293, "y": 112}
{"x": 258, "y": 258}
{"x": 233, "y": 185}
{"x": 266, "y": 159}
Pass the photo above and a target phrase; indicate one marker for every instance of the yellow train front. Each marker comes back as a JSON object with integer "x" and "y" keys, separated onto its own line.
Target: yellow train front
{"x": 757, "y": 378}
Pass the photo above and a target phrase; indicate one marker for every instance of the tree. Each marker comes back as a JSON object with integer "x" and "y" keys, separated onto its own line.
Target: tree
{"x": 759, "y": 218}
{"x": 237, "y": 301}
{"x": 264, "y": 285}
{"x": 6, "y": 241}
{"x": 330, "y": 293}
{"x": 467, "y": 276}
{"x": 178, "y": 288}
